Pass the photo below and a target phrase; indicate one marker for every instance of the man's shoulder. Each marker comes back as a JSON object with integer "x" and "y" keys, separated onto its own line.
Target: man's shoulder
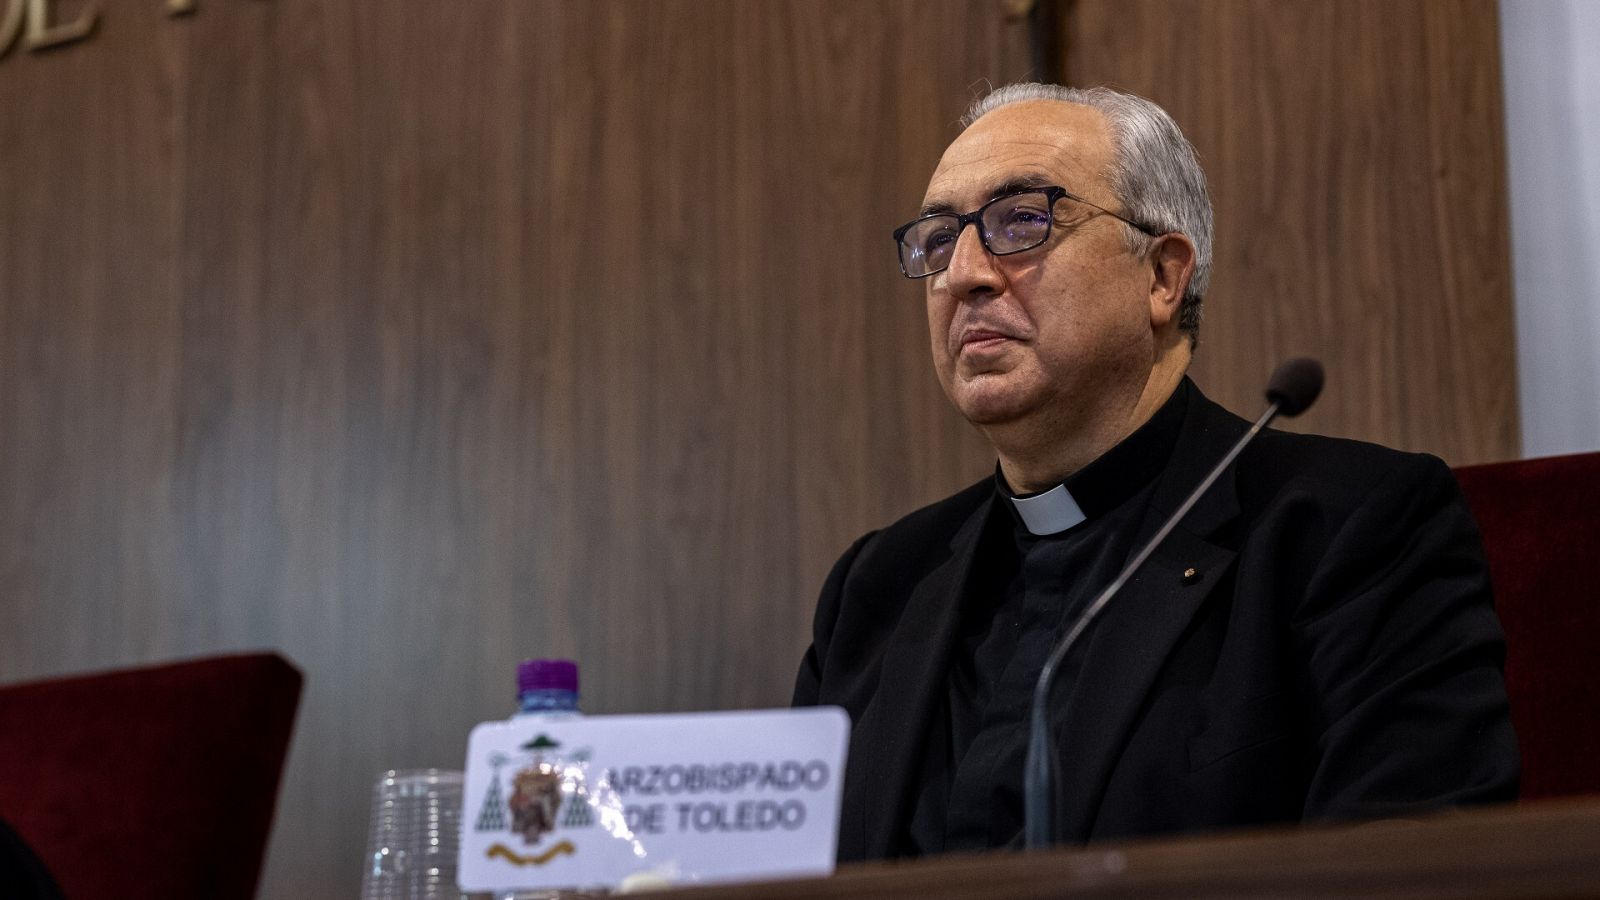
{"x": 1340, "y": 470}
{"x": 946, "y": 515}
{"x": 934, "y": 523}
{"x": 921, "y": 539}
{"x": 1337, "y": 470}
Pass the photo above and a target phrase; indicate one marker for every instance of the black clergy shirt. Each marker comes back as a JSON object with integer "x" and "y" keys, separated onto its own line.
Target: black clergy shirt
{"x": 1023, "y": 593}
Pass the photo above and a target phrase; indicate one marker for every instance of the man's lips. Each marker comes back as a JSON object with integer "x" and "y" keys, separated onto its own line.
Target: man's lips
{"x": 983, "y": 339}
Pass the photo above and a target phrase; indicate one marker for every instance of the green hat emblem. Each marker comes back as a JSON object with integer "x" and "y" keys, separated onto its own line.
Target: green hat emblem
{"x": 542, "y": 742}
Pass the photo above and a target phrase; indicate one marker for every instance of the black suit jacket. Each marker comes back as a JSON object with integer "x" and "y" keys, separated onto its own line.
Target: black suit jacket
{"x": 1334, "y": 655}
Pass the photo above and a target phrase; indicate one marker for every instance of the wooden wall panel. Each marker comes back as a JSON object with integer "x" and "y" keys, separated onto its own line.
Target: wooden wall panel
{"x": 1356, "y": 157}
{"x": 412, "y": 339}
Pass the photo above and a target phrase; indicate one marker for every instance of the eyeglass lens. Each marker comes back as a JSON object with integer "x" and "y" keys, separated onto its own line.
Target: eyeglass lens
{"x": 1007, "y": 224}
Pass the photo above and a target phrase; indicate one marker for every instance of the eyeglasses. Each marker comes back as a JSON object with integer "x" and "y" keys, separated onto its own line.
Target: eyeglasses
{"x": 1008, "y": 224}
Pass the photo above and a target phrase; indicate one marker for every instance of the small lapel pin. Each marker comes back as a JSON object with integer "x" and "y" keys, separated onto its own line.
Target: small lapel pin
{"x": 1191, "y": 575}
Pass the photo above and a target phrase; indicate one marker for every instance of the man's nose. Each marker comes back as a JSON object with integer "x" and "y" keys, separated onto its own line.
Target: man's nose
{"x": 973, "y": 269}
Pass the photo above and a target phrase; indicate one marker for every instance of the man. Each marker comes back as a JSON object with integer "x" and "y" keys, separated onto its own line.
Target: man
{"x": 1315, "y": 641}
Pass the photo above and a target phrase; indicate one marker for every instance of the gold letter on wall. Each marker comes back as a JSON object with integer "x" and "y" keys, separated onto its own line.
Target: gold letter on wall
{"x": 41, "y": 34}
{"x": 179, "y": 7}
{"x": 10, "y": 25}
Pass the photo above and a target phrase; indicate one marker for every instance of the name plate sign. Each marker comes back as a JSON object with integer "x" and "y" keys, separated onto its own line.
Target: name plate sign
{"x": 588, "y": 801}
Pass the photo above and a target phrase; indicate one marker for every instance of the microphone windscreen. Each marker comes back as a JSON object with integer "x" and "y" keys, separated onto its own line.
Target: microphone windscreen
{"x": 1295, "y": 385}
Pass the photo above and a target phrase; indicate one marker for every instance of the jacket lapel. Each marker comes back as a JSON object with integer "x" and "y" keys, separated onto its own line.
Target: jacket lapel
{"x": 915, "y": 666}
{"x": 1140, "y": 626}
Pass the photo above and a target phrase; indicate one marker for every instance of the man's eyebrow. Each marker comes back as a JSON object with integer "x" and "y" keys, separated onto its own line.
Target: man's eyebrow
{"x": 1020, "y": 183}
{"x": 1011, "y": 185}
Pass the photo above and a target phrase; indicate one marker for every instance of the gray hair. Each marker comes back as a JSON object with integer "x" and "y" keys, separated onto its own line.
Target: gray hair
{"x": 1156, "y": 174}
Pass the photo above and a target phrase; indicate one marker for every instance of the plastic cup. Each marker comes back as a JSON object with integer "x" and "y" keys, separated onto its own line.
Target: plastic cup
{"x": 412, "y": 836}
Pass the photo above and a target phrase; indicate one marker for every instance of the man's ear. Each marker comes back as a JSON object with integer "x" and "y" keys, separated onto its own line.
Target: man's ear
{"x": 1171, "y": 260}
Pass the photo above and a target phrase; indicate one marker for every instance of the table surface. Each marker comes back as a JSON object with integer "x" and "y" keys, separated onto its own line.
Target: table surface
{"x": 1547, "y": 849}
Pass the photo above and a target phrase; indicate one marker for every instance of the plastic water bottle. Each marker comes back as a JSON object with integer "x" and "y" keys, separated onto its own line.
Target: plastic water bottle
{"x": 546, "y": 689}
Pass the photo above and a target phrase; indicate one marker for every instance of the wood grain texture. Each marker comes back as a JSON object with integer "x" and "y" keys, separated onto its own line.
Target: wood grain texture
{"x": 413, "y": 339}
{"x": 1355, "y": 152}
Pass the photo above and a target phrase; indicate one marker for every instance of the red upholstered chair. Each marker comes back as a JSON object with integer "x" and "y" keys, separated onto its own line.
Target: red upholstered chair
{"x": 1541, "y": 529}
{"x": 149, "y": 783}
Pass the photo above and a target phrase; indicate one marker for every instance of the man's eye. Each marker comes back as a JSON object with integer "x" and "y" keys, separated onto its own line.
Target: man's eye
{"x": 938, "y": 239}
{"x": 1027, "y": 215}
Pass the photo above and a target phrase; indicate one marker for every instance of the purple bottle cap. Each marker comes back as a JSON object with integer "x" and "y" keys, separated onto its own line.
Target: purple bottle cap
{"x": 547, "y": 675}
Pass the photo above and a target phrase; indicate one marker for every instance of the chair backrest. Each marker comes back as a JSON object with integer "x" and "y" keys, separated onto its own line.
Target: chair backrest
{"x": 1541, "y": 529}
{"x": 155, "y": 782}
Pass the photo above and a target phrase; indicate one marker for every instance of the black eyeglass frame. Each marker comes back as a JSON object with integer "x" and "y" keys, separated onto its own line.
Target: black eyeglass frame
{"x": 1053, "y": 195}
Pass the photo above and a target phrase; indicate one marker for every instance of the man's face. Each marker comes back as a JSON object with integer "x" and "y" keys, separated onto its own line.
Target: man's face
{"x": 1050, "y": 330}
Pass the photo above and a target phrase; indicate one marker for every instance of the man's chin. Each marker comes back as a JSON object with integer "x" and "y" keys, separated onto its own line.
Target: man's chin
{"x": 995, "y": 397}
{"x": 992, "y": 408}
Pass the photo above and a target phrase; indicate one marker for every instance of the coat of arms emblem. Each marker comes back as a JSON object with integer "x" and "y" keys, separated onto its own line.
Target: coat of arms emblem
{"x": 547, "y": 791}
{"x": 535, "y": 800}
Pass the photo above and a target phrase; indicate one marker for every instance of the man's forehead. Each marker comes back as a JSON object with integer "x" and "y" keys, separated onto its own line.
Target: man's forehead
{"x": 1032, "y": 142}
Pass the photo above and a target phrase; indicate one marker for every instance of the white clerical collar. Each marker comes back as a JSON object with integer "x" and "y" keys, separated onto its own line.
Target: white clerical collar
{"x": 1051, "y": 512}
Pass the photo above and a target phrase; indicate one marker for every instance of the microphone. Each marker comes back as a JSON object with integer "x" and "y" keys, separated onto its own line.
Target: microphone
{"x": 1295, "y": 386}
{"x": 1291, "y": 390}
